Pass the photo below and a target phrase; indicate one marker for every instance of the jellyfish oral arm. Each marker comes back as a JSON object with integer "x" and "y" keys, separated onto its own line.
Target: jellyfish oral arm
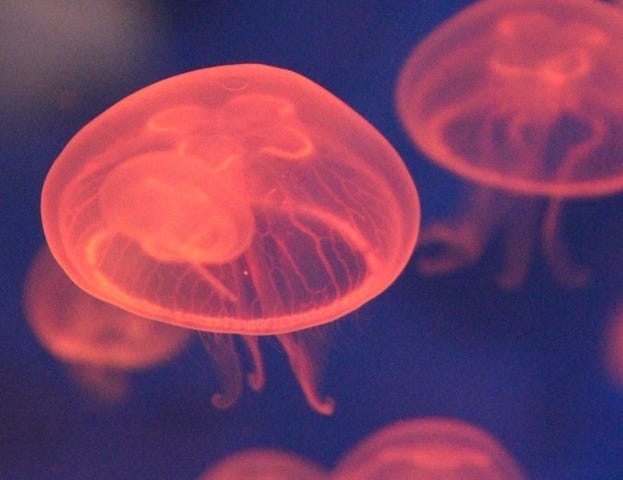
{"x": 306, "y": 368}
{"x": 554, "y": 249}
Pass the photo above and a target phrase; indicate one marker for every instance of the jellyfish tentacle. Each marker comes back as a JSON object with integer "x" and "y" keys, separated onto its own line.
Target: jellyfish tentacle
{"x": 307, "y": 371}
{"x": 223, "y": 351}
{"x": 517, "y": 217}
{"x": 299, "y": 353}
{"x": 521, "y": 215}
{"x": 529, "y": 142}
{"x": 564, "y": 269}
{"x": 519, "y": 243}
{"x": 446, "y": 247}
{"x": 257, "y": 377}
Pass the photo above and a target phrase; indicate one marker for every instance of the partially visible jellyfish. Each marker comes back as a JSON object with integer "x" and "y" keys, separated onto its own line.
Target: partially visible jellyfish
{"x": 100, "y": 343}
{"x": 612, "y": 347}
{"x": 523, "y": 99}
{"x": 265, "y": 464}
{"x": 428, "y": 449}
{"x": 240, "y": 199}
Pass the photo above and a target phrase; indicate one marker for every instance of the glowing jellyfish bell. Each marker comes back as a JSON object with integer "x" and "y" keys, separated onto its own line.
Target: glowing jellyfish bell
{"x": 240, "y": 199}
{"x": 100, "y": 343}
{"x": 264, "y": 464}
{"x": 428, "y": 449}
{"x": 524, "y": 98}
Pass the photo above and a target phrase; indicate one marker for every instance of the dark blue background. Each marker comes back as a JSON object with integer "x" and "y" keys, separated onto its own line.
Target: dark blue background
{"x": 525, "y": 366}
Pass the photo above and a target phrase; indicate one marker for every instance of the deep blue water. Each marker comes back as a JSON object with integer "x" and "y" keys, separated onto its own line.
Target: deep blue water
{"x": 526, "y": 365}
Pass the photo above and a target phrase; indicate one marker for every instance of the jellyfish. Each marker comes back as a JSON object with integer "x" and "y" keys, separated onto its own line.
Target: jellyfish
{"x": 612, "y": 347}
{"x": 100, "y": 343}
{"x": 265, "y": 464}
{"x": 428, "y": 449}
{"x": 523, "y": 100}
{"x": 234, "y": 200}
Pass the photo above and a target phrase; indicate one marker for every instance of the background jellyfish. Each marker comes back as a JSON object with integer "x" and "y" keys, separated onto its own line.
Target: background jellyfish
{"x": 522, "y": 98}
{"x": 264, "y": 464}
{"x": 100, "y": 343}
{"x": 612, "y": 347}
{"x": 538, "y": 384}
{"x": 238, "y": 199}
{"x": 428, "y": 449}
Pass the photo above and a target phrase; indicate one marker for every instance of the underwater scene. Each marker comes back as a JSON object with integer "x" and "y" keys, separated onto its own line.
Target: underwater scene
{"x": 310, "y": 240}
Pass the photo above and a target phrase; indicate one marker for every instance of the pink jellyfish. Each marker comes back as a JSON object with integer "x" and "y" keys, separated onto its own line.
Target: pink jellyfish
{"x": 612, "y": 347}
{"x": 428, "y": 449}
{"x": 265, "y": 464}
{"x": 523, "y": 99}
{"x": 239, "y": 199}
{"x": 99, "y": 342}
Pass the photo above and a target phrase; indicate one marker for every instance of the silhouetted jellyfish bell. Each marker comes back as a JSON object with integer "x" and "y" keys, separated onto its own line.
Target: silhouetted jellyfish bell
{"x": 100, "y": 343}
{"x": 240, "y": 199}
{"x": 428, "y": 449}
{"x": 523, "y": 98}
{"x": 264, "y": 464}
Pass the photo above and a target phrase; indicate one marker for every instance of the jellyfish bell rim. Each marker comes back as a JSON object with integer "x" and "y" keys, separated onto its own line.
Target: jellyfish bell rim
{"x": 436, "y": 152}
{"x": 269, "y": 325}
{"x": 515, "y": 185}
{"x": 402, "y": 188}
{"x": 443, "y": 157}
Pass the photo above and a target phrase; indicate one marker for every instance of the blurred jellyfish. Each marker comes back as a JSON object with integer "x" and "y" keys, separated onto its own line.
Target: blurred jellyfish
{"x": 100, "y": 343}
{"x": 523, "y": 99}
{"x": 264, "y": 464}
{"x": 428, "y": 449}
{"x": 613, "y": 347}
{"x": 240, "y": 199}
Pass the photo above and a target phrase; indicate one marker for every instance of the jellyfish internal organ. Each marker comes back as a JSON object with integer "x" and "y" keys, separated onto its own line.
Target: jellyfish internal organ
{"x": 239, "y": 199}
{"x": 524, "y": 98}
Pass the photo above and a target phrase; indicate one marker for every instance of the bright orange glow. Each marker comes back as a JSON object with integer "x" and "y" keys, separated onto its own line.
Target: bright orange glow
{"x": 522, "y": 98}
{"x": 259, "y": 464}
{"x": 236, "y": 199}
{"x": 99, "y": 341}
{"x": 428, "y": 449}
